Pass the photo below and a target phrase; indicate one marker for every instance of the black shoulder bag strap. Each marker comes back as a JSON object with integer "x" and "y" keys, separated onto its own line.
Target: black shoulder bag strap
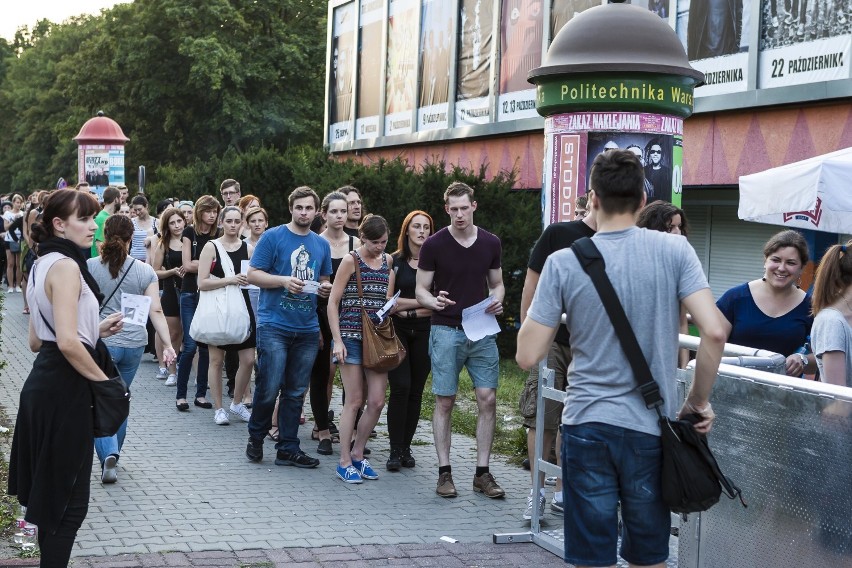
{"x": 117, "y": 286}
{"x": 593, "y": 263}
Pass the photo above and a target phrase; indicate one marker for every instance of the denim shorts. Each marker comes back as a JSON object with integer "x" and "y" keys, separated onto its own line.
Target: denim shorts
{"x": 354, "y": 352}
{"x": 603, "y": 465}
{"x": 450, "y": 350}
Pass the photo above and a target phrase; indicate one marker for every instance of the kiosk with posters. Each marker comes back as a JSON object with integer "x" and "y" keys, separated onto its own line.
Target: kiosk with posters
{"x": 100, "y": 153}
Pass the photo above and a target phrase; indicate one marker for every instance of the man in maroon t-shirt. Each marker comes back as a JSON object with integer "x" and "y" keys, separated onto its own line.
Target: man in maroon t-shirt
{"x": 462, "y": 264}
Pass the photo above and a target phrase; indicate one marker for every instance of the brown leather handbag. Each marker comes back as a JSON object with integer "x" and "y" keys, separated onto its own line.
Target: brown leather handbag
{"x": 382, "y": 349}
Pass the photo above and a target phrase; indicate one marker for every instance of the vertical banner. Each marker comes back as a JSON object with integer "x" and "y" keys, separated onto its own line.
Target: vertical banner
{"x": 473, "y": 73}
{"x": 401, "y": 82}
{"x": 342, "y": 64}
{"x": 520, "y": 50}
{"x": 100, "y": 165}
{"x": 369, "y": 69}
{"x": 717, "y": 42}
{"x": 561, "y": 12}
{"x": 436, "y": 36}
{"x": 804, "y": 42}
{"x": 573, "y": 140}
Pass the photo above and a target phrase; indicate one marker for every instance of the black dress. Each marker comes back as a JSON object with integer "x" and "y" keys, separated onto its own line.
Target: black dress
{"x": 170, "y": 300}
{"x": 236, "y": 257}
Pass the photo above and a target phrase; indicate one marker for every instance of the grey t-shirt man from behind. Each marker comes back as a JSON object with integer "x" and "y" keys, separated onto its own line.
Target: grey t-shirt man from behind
{"x": 651, "y": 272}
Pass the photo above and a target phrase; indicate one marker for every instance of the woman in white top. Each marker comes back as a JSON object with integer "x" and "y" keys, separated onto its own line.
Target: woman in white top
{"x": 51, "y": 459}
{"x": 831, "y": 334}
{"x": 13, "y": 244}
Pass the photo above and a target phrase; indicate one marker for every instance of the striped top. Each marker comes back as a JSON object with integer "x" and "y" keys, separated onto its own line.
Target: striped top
{"x": 137, "y": 246}
{"x": 375, "y": 285}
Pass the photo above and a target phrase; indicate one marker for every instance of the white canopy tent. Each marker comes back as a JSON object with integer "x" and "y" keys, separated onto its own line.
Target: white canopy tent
{"x": 812, "y": 194}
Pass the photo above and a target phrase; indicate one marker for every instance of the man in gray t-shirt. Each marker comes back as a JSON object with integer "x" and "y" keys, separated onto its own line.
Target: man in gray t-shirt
{"x": 610, "y": 441}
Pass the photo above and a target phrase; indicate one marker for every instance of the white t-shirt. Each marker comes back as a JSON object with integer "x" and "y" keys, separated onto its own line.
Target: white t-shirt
{"x": 9, "y": 217}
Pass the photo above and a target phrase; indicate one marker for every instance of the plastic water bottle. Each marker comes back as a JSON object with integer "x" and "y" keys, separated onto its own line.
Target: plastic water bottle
{"x": 20, "y": 523}
{"x": 29, "y": 537}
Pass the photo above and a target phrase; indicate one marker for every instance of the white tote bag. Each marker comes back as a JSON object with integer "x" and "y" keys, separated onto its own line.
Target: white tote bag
{"x": 221, "y": 317}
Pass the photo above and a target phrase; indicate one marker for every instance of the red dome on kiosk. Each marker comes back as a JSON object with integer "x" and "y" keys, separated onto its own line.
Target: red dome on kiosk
{"x": 101, "y": 130}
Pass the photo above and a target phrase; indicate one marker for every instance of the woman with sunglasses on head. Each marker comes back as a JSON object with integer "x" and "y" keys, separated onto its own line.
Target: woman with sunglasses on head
{"x": 168, "y": 265}
{"x": 412, "y": 324}
{"x": 345, "y": 304}
{"x": 831, "y": 335}
{"x": 211, "y": 276}
{"x": 50, "y": 465}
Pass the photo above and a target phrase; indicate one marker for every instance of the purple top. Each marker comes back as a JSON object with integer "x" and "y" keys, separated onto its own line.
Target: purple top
{"x": 460, "y": 271}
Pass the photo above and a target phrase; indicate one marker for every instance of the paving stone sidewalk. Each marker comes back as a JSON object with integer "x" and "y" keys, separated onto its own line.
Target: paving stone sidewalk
{"x": 187, "y": 496}
{"x": 184, "y": 484}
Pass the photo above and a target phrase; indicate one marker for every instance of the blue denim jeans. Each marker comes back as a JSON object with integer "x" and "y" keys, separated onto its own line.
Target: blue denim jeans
{"x": 188, "y": 303}
{"x": 603, "y": 465}
{"x": 285, "y": 359}
{"x": 127, "y": 361}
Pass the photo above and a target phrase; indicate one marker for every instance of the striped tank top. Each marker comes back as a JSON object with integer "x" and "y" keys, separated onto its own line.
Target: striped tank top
{"x": 375, "y": 285}
{"x": 137, "y": 246}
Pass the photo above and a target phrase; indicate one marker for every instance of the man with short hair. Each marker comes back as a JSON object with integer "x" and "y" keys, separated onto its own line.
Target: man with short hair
{"x": 122, "y": 191}
{"x": 459, "y": 262}
{"x": 555, "y": 237}
{"x": 288, "y": 333}
{"x": 111, "y": 205}
{"x": 611, "y": 450}
{"x": 354, "y": 210}
{"x": 230, "y": 190}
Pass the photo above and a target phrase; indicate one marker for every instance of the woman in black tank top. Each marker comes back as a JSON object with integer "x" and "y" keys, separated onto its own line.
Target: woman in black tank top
{"x": 210, "y": 264}
{"x": 168, "y": 264}
{"x": 334, "y": 211}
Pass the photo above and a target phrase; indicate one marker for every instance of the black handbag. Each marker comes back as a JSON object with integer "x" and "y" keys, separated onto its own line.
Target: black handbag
{"x": 110, "y": 398}
{"x": 691, "y": 478}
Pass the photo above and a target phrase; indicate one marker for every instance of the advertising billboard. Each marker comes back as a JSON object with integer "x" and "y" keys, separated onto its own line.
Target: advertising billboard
{"x": 369, "y": 74}
{"x": 100, "y": 165}
{"x": 340, "y": 78}
{"x": 804, "y": 42}
{"x": 436, "y": 48}
{"x": 573, "y": 140}
{"x": 401, "y": 79}
{"x": 521, "y": 33}
{"x": 473, "y": 67}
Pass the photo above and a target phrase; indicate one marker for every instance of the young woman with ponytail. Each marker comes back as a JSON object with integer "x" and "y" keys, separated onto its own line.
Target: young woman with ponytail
{"x": 118, "y": 273}
{"x": 50, "y": 462}
{"x": 831, "y": 335}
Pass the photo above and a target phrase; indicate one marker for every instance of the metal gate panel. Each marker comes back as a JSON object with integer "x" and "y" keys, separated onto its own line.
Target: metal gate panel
{"x": 787, "y": 443}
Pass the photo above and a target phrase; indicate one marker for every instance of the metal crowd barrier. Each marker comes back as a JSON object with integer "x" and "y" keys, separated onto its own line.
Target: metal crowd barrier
{"x": 786, "y": 442}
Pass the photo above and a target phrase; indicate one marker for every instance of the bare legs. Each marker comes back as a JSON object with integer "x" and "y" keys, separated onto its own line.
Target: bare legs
{"x": 353, "y": 383}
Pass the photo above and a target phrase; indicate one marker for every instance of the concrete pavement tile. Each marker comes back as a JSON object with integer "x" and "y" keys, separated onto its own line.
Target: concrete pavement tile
{"x": 281, "y": 555}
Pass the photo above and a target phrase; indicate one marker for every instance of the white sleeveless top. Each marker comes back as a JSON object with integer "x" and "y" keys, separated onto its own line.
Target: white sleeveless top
{"x": 88, "y": 320}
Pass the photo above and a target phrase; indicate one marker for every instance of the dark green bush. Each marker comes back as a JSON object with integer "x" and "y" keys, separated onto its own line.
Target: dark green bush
{"x": 389, "y": 188}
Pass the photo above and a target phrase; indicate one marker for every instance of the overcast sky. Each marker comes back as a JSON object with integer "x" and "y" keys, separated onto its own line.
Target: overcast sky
{"x": 16, "y": 13}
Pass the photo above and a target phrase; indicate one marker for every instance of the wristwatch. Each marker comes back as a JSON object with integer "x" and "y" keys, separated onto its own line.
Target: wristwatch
{"x": 804, "y": 359}
{"x": 412, "y": 313}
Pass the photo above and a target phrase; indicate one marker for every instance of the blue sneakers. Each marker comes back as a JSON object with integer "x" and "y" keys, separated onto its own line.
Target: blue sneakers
{"x": 349, "y": 474}
{"x": 364, "y": 469}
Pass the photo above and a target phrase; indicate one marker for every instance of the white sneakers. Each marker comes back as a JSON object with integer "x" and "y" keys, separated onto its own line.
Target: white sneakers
{"x": 241, "y": 411}
{"x": 221, "y": 417}
{"x": 171, "y": 381}
{"x": 162, "y": 374}
{"x": 532, "y": 502}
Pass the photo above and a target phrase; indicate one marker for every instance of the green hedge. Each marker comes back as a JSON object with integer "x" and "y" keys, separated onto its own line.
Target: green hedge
{"x": 389, "y": 188}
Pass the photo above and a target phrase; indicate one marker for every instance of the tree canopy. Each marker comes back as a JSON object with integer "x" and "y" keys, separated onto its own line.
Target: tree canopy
{"x": 185, "y": 79}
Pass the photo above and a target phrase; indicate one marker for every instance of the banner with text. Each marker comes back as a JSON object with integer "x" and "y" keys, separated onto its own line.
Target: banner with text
{"x": 574, "y": 140}
{"x": 436, "y": 48}
{"x": 520, "y": 50}
{"x": 401, "y": 81}
{"x": 369, "y": 74}
{"x": 100, "y": 165}
{"x": 716, "y": 37}
{"x": 473, "y": 73}
{"x": 805, "y": 42}
{"x": 340, "y": 88}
